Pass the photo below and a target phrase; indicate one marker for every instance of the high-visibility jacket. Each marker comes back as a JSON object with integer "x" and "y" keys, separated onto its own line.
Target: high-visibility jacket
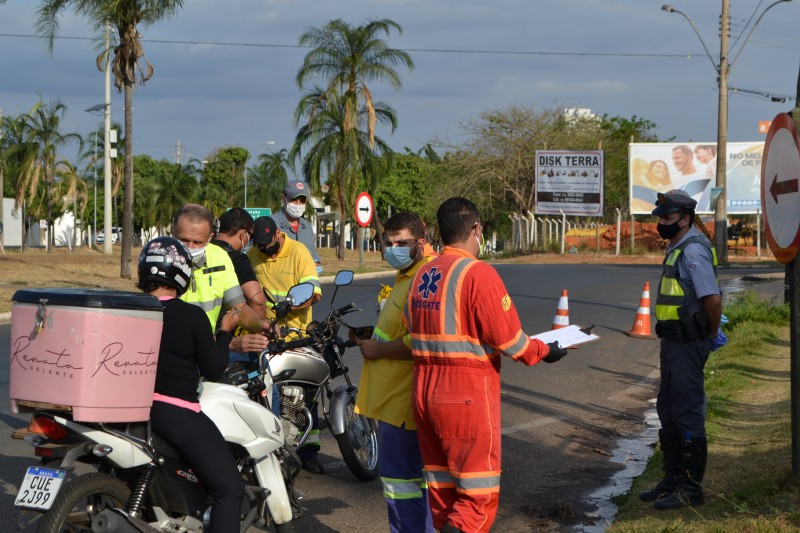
{"x": 459, "y": 313}
{"x": 677, "y": 299}
{"x": 215, "y": 285}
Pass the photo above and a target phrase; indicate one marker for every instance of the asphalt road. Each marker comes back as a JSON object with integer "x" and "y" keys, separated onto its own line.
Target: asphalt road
{"x": 561, "y": 422}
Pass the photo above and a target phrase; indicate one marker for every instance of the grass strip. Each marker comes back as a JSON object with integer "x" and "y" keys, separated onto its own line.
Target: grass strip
{"x": 749, "y": 482}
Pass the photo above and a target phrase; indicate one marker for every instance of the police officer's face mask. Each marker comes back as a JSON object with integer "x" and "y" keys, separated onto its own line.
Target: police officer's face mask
{"x": 668, "y": 231}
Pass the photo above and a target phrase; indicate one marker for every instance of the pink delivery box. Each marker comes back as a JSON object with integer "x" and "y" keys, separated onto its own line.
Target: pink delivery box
{"x": 93, "y": 352}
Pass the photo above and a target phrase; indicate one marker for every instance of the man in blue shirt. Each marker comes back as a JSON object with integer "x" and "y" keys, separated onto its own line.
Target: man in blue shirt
{"x": 290, "y": 218}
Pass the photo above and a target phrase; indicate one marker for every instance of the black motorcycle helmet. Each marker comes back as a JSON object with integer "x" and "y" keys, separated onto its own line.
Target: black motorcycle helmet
{"x": 165, "y": 261}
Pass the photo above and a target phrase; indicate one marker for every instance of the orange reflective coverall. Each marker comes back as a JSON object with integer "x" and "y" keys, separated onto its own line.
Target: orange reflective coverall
{"x": 461, "y": 320}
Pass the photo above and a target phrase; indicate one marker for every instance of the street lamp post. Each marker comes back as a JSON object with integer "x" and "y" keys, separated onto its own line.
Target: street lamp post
{"x": 723, "y": 69}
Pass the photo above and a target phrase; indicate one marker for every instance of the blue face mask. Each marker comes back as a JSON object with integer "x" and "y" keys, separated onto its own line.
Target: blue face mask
{"x": 399, "y": 257}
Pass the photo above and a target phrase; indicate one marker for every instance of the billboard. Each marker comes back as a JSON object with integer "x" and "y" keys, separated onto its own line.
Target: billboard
{"x": 659, "y": 167}
{"x": 569, "y": 181}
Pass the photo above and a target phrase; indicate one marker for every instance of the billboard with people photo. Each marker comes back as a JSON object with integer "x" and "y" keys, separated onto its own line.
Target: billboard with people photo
{"x": 692, "y": 167}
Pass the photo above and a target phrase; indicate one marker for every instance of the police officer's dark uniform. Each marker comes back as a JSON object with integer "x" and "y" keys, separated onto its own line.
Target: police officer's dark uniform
{"x": 688, "y": 309}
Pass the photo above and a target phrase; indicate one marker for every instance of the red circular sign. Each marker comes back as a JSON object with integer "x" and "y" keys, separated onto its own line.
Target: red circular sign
{"x": 780, "y": 197}
{"x": 364, "y": 209}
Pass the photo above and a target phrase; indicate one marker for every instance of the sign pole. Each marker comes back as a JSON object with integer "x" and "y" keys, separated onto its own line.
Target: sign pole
{"x": 792, "y": 275}
{"x": 780, "y": 174}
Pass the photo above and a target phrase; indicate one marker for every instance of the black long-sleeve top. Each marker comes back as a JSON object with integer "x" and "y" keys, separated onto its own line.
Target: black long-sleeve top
{"x": 188, "y": 345}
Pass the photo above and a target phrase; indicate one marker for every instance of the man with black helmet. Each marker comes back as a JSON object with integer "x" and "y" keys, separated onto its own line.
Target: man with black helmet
{"x": 688, "y": 309}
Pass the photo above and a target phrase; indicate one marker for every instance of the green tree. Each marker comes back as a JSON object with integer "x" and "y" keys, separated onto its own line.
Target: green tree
{"x": 129, "y": 66}
{"x": 617, "y": 133}
{"x": 222, "y": 182}
{"x": 161, "y": 188}
{"x": 347, "y": 58}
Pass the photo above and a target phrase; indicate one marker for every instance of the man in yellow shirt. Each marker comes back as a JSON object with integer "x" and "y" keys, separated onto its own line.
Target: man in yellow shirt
{"x": 281, "y": 263}
{"x": 384, "y": 392}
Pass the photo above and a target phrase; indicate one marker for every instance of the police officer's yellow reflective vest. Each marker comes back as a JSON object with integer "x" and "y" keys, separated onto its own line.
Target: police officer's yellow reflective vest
{"x": 676, "y": 299}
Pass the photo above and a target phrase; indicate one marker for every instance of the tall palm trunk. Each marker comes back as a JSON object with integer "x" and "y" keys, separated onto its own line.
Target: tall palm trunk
{"x": 127, "y": 209}
{"x": 342, "y": 221}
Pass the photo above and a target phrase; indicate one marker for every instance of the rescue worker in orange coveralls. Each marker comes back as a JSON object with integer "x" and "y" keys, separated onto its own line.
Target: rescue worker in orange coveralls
{"x": 462, "y": 320}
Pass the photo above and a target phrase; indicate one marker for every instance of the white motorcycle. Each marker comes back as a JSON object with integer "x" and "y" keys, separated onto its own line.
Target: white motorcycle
{"x": 305, "y": 368}
{"x": 138, "y": 483}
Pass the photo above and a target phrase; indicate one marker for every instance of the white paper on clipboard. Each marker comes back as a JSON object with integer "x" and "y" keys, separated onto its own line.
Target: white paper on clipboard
{"x": 568, "y": 336}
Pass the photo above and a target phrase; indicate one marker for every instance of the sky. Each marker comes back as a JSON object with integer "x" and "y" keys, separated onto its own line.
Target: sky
{"x": 226, "y": 76}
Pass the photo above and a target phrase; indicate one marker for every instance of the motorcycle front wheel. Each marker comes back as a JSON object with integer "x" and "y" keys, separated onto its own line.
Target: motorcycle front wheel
{"x": 359, "y": 442}
{"x": 80, "y": 500}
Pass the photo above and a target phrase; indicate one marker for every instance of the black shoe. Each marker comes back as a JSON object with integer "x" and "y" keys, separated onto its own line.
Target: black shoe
{"x": 685, "y": 496}
{"x": 665, "y": 487}
{"x": 313, "y": 465}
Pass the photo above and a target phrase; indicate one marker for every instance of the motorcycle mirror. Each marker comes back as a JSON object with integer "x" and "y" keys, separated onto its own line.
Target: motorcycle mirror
{"x": 343, "y": 277}
{"x": 300, "y": 294}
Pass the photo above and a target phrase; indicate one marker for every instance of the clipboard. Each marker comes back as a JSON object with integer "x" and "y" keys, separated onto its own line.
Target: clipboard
{"x": 567, "y": 336}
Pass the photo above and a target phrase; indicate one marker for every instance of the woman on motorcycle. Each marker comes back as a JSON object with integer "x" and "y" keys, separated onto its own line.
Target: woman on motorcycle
{"x": 189, "y": 350}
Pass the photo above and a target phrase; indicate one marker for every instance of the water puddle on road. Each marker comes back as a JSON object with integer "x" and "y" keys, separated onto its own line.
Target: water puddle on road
{"x": 768, "y": 288}
{"x": 633, "y": 454}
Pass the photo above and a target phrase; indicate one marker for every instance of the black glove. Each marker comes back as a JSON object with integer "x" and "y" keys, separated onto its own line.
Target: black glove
{"x": 555, "y": 354}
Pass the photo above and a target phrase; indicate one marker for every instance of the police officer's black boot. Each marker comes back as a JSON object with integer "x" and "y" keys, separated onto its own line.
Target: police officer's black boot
{"x": 690, "y": 491}
{"x": 673, "y": 471}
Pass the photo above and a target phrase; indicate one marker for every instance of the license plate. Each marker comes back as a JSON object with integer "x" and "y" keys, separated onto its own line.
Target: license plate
{"x": 40, "y": 488}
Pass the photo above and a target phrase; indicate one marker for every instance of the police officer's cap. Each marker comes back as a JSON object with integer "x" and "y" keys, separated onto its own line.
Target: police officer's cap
{"x": 674, "y": 200}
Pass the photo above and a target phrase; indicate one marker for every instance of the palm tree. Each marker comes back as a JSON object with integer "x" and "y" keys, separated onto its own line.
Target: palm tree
{"x": 71, "y": 187}
{"x": 41, "y": 139}
{"x": 268, "y": 179}
{"x": 343, "y": 155}
{"x": 164, "y": 193}
{"x": 347, "y": 58}
{"x": 129, "y": 66}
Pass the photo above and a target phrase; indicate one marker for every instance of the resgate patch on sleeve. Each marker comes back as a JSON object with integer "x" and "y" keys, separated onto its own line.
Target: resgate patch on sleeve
{"x": 506, "y": 302}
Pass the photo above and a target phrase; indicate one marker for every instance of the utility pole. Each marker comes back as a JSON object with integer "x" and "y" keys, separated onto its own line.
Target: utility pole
{"x": 721, "y": 208}
{"x": 107, "y": 150}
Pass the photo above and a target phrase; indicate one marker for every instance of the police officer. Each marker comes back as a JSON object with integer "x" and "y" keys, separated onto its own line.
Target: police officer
{"x": 688, "y": 309}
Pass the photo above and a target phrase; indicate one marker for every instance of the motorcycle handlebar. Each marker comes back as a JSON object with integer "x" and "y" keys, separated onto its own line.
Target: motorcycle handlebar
{"x": 346, "y": 308}
{"x": 299, "y": 343}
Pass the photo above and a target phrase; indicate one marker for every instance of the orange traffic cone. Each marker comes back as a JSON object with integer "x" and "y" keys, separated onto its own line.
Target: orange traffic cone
{"x": 641, "y": 324}
{"x": 561, "y": 320}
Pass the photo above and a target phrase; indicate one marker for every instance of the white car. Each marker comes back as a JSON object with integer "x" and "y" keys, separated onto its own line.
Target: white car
{"x": 115, "y": 233}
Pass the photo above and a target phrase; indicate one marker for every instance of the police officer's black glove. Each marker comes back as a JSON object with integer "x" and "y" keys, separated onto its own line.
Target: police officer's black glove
{"x": 555, "y": 354}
